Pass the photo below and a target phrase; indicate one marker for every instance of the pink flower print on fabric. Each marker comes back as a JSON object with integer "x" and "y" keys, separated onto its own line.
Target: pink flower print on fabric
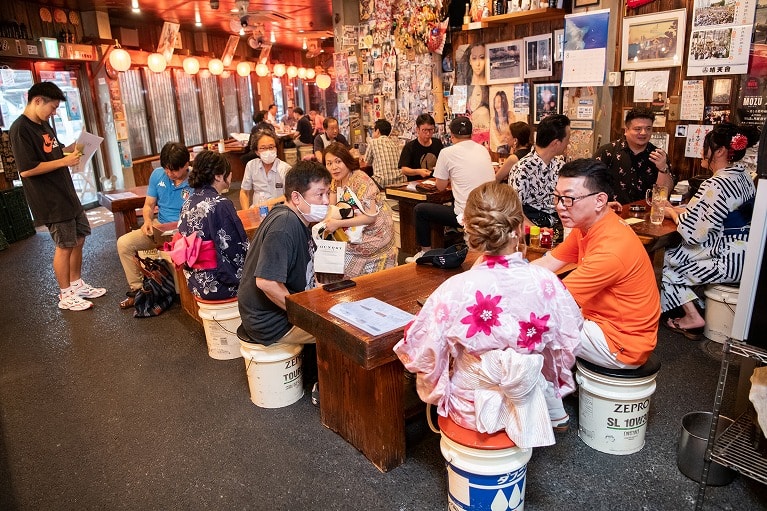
{"x": 483, "y": 315}
{"x": 548, "y": 289}
{"x": 441, "y": 313}
{"x": 530, "y": 332}
{"x": 499, "y": 260}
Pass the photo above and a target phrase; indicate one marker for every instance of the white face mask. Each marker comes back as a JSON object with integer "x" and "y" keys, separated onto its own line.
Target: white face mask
{"x": 268, "y": 157}
{"x": 317, "y": 212}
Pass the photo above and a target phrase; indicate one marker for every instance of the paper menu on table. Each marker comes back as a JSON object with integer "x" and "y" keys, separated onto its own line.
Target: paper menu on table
{"x": 87, "y": 144}
{"x": 372, "y": 315}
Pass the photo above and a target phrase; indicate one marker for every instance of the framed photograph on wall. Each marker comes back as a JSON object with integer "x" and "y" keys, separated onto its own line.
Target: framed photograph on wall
{"x": 504, "y": 61}
{"x": 559, "y": 45}
{"x": 721, "y": 91}
{"x": 584, "y": 3}
{"x": 547, "y": 100}
{"x": 652, "y": 41}
{"x": 538, "y": 57}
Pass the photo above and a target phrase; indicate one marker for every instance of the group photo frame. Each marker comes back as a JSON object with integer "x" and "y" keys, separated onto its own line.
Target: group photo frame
{"x": 652, "y": 41}
{"x": 504, "y": 61}
{"x": 547, "y": 100}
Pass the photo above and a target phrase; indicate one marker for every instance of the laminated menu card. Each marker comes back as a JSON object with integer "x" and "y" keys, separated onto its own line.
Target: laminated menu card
{"x": 372, "y": 315}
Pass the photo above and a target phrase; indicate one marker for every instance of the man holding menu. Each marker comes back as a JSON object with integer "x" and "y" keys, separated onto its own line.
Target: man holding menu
{"x": 43, "y": 167}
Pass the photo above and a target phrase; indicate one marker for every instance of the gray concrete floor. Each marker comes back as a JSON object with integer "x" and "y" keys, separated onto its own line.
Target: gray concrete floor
{"x": 99, "y": 410}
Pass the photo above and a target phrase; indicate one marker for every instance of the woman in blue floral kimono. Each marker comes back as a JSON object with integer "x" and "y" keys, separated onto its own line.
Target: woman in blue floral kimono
{"x": 714, "y": 227}
{"x": 213, "y": 217}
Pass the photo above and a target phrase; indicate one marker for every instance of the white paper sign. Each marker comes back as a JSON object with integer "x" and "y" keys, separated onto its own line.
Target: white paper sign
{"x": 693, "y": 100}
{"x": 87, "y": 144}
{"x": 329, "y": 256}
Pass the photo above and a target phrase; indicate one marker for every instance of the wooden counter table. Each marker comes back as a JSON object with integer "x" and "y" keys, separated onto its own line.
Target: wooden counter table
{"x": 360, "y": 377}
{"x": 123, "y": 205}
{"x": 408, "y": 199}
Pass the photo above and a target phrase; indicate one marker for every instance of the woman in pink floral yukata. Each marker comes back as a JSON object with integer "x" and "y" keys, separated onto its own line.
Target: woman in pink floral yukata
{"x": 493, "y": 347}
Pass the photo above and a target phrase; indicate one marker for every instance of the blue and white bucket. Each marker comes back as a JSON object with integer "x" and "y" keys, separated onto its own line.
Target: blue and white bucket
{"x": 483, "y": 479}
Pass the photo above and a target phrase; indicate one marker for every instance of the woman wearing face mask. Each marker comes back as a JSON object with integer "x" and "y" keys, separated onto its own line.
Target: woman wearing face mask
{"x": 213, "y": 218}
{"x": 265, "y": 176}
{"x": 376, "y": 250}
{"x": 714, "y": 227}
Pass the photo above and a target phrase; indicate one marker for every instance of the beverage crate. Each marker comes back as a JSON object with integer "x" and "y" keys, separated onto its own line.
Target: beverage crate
{"x": 15, "y": 218}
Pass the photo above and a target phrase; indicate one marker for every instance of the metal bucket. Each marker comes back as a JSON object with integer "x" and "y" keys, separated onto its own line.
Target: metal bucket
{"x": 692, "y": 448}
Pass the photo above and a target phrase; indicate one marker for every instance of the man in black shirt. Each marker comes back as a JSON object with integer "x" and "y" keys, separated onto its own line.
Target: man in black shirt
{"x": 304, "y": 128}
{"x": 419, "y": 156}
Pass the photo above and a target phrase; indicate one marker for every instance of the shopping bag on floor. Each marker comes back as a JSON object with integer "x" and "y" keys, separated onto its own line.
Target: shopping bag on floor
{"x": 157, "y": 289}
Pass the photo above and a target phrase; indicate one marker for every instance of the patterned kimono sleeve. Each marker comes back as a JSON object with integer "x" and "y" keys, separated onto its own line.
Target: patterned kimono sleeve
{"x": 708, "y": 213}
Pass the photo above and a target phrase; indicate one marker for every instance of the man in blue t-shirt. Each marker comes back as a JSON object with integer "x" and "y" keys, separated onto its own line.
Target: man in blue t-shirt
{"x": 168, "y": 189}
{"x": 280, "y": 260}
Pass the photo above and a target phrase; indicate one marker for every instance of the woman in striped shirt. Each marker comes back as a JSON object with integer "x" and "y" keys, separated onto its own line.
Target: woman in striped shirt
{"x": 714, "y": 227}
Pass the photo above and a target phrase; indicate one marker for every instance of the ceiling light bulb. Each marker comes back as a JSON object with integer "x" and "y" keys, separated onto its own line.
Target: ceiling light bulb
{"x": 119, "y": 59}
{"x": 310, "y": 74}
{"x": 323, "y": 81}
{"x": 243, "y": 68}
{"x": 215, "y": 66}
{"x": 292, "y": 71}
{"x": 134, "y": 6}
{"x": 156, "y": 62}
{"x": 262, "y": 69}
{"x": 272, "y": 38}
{"x": 242, "y": 31}
{"x": 191, "y": 65}
{"x": 302, "y": 72}
{"x": 304, "y": 45}
{"x": 279, "y": 70}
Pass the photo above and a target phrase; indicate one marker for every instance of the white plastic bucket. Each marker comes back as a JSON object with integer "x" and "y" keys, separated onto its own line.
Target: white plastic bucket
{"x": 221, "y": 320}
{"x": 485, "y": 479}
{"x": 275, "y": 375}
{"x": 721, "y": 301}
{"x": 613, "y": 411}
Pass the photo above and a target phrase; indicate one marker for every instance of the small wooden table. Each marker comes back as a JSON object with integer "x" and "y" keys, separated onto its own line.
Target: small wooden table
{"x": 655, "y": 238}
{"x": 408, "y": 199}
{"x": 360, "y": 377}
{"x": 123, "y": 205}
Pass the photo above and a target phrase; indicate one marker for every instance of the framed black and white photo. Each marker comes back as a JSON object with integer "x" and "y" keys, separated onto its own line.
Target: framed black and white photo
{"x": 547, "y": 100}
{"x": 652, "y": 41}
{"x": 504, "y": 61}
{"x": 559, "y": 45}
{"x": 721, "y": 91}
{"x": 538, "y": 57}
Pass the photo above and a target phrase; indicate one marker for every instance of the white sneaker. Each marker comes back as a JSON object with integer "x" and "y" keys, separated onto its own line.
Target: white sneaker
{"x": 416, "y": 256}
{"x": 88, "y": 291}
{"x": 73, "y": 302}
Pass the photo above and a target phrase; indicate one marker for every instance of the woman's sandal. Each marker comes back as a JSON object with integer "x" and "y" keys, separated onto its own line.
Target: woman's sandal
{"x": 692, "y": 334}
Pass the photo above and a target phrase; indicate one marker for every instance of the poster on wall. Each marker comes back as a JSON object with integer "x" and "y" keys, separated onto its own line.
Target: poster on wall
{"x": 168, "y": 40}
{"x": 501, "y": 115}
{"x": 720, "y": 40}
{"x": 538, "y": 56}
{"x": 752, "y": 101}
{"x": 693, "y": 100}
{"x": 694, "y": 143}
{"x": 585, "y": 48}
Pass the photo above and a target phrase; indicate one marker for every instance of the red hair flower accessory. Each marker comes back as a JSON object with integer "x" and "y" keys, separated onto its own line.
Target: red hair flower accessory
{"x": 738, "y": 142}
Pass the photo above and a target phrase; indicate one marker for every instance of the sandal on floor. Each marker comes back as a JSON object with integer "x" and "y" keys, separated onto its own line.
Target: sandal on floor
{"x": 130, "y": 301}
{"x": 692, "y": 334}
{"x": 561, "y": 425}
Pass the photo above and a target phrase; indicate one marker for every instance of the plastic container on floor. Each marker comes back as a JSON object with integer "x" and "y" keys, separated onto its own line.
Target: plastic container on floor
{"x": 221, "y": 320}
{"x": 275, "y": 373}
{"x": 721, "y": 301}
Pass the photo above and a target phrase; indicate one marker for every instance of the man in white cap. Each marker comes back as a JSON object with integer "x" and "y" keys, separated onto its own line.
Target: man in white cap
{"x": 464, "y": 166}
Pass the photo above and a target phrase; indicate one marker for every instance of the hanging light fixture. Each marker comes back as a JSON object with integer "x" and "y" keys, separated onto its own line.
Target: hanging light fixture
{"x": 272, "y": 38}
{"x": 310, "y": 74}
{"x": 279, "y": 70}
{"x": 262, "y": 69}
{"x": 119, "y": 59}
{"x": 156, "y": 62}
{"x": 191, "y": 65}
{"x": 135, "y": 7}
{"x": 304, "y": 45}
{"x": 215, "y": 66}
{"x": 243, "y": 68}
{"x": 323, "y": 81}
{"x": 292, "y": 71}
{"x": 302, "y": 73}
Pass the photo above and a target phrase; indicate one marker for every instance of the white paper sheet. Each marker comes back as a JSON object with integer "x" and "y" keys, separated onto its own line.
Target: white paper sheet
{"x": 87, "y": 144}
{"x": 372, "y": 315}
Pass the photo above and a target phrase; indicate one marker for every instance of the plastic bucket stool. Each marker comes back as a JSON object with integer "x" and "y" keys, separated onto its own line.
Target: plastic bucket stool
{"x": 484, "y": 471}
{"x": 221, "y": 320}
{"x": 275, "y": 376}
{"x": 721, "y": 301}
{"x": 614, "y": 405}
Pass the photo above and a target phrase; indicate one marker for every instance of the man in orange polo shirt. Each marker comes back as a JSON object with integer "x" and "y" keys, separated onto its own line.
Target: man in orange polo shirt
{"x": 614, "y": 283}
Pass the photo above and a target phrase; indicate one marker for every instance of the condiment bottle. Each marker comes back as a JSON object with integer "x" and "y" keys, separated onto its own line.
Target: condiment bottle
{"x": 527, "y": 235}
{"x": 535, "y": 236}
{"x": 221, "y": 146}
{"x": 546, "y": 240}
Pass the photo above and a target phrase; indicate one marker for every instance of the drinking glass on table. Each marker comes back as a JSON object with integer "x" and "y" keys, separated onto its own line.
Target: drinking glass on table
{"x": 656, "y": 199}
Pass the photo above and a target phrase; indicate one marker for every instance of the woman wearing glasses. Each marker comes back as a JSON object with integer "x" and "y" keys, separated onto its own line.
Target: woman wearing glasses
{"x": 714, "y": 227}
{"x": 376, "y": 249}
{"x": 264, "y": 177}
{"x": 487, "y": 333}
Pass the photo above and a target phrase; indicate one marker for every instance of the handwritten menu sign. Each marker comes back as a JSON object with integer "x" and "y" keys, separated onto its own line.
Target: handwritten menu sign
{"x": 693, "y": 100}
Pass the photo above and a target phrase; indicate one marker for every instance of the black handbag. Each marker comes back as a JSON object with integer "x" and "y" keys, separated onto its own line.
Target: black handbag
{"x": 157, "y": 289}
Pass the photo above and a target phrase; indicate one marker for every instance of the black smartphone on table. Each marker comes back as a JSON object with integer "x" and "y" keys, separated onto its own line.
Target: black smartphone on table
{"x": 337, "y": 286}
